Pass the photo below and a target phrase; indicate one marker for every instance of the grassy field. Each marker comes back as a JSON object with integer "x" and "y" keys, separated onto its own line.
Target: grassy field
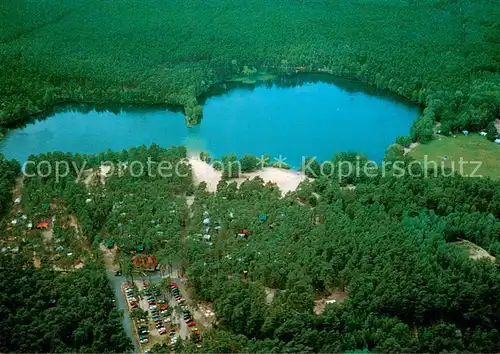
{"x": 470, "y": 148}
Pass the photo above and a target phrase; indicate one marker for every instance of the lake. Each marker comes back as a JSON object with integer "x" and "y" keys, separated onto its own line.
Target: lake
{"x": 310, "y": 116}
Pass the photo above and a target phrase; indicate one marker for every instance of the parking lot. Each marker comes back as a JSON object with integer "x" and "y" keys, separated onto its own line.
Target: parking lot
{"x": 159, "y": 317}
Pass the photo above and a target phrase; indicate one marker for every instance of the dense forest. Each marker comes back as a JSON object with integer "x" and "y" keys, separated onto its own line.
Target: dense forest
{"x": 392, "y": 263}
{"x": 390, "y": 251}
{"x": 45, "y": 311}
{"x": 440, "y": 53}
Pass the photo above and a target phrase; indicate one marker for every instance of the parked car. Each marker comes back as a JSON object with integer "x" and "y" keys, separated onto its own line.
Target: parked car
{"x": 191, "y": 324}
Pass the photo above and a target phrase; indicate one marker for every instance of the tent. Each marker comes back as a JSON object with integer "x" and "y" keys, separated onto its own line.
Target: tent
{"x": 109, "y": 243}
{"x": 263, "y": 217}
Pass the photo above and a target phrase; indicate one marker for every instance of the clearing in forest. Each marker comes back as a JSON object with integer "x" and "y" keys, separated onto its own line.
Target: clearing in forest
{"x": 336, "y": 297}
{"x": 471, "y": 148}
{"x": 36, "y": 261}
{"x": 270, "y": 294}
{"x": 475, "y": 252}
{"x": 109, "y": 256}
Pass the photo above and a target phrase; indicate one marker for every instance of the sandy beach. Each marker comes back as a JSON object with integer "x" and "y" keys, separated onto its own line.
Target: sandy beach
{"x": 286, "y": 180}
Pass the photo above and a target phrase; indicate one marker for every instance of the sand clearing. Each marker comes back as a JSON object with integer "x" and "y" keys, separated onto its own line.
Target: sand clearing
{"x": 337, "y": 297}
{"x": 475, "y": 252}
{"x": 204, "y": 172}
{"x": 286, "y": 180}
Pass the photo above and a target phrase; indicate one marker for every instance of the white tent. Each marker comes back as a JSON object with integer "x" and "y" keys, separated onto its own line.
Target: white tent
{"x": 497, "y": 141}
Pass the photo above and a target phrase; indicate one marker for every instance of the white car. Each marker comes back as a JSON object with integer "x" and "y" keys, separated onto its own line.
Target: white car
{"x": 144, "y": 341}
{"x": 173, "y": 340}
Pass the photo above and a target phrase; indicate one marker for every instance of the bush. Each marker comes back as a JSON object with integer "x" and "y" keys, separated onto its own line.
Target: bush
{"x": 491, "y": 132}
{"x": 404, "y": 141}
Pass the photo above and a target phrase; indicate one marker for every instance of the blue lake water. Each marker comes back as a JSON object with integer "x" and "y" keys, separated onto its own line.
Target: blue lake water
{"x": 314, "y": 118}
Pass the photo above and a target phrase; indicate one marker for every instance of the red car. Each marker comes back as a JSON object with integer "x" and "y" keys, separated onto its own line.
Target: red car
{"x": 191, "y": 324}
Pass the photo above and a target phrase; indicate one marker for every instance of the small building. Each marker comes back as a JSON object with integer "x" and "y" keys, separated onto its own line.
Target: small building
{"x": 42, "y": 225}
{"x": 497, "y": 141}
{"x": 145, "y": 262}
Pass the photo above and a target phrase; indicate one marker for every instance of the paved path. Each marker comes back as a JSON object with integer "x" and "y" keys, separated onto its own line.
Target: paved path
{"x": 121, "y": 303}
